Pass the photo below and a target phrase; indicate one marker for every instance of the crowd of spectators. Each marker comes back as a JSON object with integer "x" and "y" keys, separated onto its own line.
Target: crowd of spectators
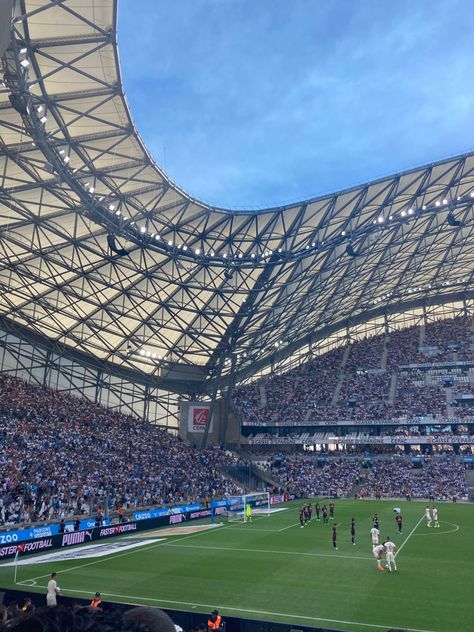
{"x": 305, "y": 476}
{"x": 289, "y": 397}
{"x": 63, "y": 456}
{"x": 371, "y": 383}
{"x": 442, "y": 478}
{"x": 26, "y": 616}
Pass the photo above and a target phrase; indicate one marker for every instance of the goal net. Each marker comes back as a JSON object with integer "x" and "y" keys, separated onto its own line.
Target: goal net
{"x": 259, "y": 503}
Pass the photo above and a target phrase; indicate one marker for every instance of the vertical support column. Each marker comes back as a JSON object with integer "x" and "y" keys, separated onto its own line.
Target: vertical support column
{"x": 98, "y": 387}
{"x": 228, "y": 396}
{"x": 47, "y": 366}
{"x": 146, "y": 402}
{"x": 217, "y": 382}
{"x": 425, "y": 317}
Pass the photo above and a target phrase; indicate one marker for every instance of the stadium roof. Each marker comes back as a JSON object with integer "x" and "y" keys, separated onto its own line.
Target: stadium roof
{"x": 197, "y": 282}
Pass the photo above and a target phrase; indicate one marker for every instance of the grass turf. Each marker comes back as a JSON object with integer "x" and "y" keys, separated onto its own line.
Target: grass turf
{"x": 274, "y": 570}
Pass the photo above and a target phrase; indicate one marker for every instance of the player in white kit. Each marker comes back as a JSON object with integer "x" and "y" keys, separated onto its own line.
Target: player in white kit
{"x": 375, "y": 536}
{"x": 428, "y": 516}
{"x": 53, "y": 591}
{"x": 377, "y": 551}
{"x": 435, "y": 517}
{"x": 390, "y": 549}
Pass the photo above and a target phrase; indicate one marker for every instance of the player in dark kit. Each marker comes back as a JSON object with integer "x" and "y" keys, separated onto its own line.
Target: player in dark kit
{"x": 306, "y": 514}
{"x": 375, "y": 520}
{"x": 325, "y": 514}
{"x": 302, "y": 517}
{"x": 331, "y": 511}
{"x": 334, "y": 534}
{"x": 353, "y": 531}
{"x": 309, "y": 510}
{"x": 317, "y": 507}
{"x": 399, "y": 520}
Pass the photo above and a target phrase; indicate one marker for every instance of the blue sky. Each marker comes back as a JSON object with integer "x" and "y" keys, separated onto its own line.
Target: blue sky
{"x": 255, "y": 103}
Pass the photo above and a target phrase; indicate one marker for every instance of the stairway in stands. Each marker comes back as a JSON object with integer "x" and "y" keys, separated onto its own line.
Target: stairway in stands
{"x": 342, "y": 375}
{"x": 383, "y": 359}
{"x": 392, "y": 393}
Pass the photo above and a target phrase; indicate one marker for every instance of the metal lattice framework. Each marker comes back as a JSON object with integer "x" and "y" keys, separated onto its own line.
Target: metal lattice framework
{"x": 198, "y": 283}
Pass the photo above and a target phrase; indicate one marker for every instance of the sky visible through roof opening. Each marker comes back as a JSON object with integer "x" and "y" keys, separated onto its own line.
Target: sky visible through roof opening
{"x": 251, "y": 104}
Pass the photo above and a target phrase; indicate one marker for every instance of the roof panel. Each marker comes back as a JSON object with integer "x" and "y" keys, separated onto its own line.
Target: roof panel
{"x": 195, "y": 279}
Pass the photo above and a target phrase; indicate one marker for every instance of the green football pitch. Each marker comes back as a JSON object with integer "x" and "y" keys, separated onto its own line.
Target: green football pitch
{"x": 274, "y": 570}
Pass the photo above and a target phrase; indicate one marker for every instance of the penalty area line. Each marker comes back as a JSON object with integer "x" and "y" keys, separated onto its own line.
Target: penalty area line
{"x": 245, "y": 610}
{"x": 295, "y": 524}
{"x": 265, "y": 551}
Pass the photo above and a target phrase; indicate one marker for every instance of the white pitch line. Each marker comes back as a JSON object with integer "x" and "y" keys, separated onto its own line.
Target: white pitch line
{"x": 289, "y": 527}
{"x": 239, "y": 609}
{"x": 256, "y": 530}
{"x": 409, "y": 535}
{"x": 265, "y": 551}
{"x": 456, "y": 528}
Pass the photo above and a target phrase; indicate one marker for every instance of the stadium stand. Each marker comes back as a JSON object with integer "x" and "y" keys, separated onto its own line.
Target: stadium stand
{"x": 393, "y": 476}
{"x": 63, "y": 456}
{"x": 306, "y": 394}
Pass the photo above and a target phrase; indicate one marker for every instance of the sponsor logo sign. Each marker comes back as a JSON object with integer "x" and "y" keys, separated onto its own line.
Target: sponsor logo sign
{"x": 200, "y": 514}
{"x": 118, "y": 529}
{"x": 76, "y": 537}
{"x": 84, "y": 552}
{"x": 26, "y": 547}
{"x": 198, "y": 418}
{"x": 177, "y": 518}
{"x": 276, "y": 500}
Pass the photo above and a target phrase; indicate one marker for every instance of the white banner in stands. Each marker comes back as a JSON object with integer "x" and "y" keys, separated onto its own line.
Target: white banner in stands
{"x": 198, "y": 416}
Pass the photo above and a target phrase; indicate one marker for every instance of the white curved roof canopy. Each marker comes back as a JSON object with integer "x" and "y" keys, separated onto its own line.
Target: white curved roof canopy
{"x": 197, "y": 281}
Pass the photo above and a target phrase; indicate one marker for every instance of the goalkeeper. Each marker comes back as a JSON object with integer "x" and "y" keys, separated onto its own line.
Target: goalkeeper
{"x": 248, "y": 512}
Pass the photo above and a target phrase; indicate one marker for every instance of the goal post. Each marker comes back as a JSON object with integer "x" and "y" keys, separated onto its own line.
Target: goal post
{"x": 236, "y": 506}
